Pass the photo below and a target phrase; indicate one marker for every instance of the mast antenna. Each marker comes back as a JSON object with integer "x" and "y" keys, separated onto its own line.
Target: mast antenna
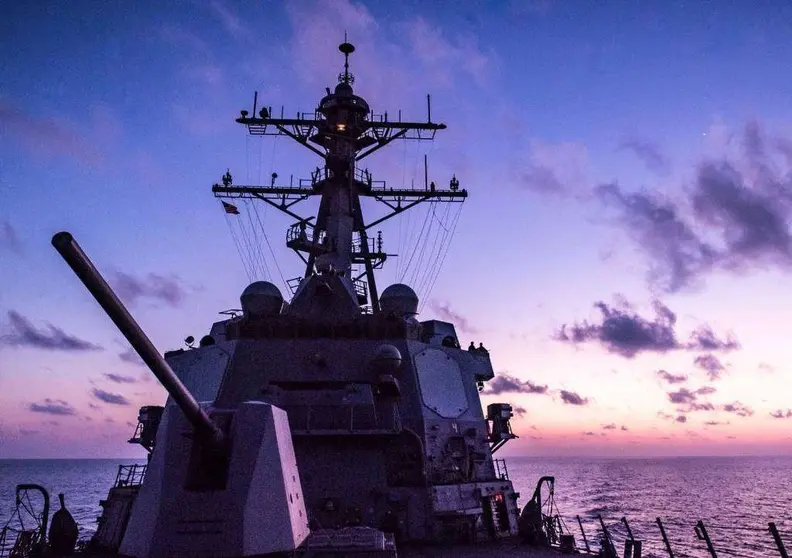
{"x": 346, "y": 48}
{"x": 342, "y": 131}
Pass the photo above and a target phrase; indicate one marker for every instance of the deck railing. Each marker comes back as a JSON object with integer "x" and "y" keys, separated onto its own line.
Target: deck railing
{"x": 686, "y": 540}
{"x": 130, "y": 475}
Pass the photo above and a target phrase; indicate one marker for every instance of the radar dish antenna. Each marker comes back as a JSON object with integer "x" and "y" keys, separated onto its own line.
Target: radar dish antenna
{"x": 346, "y": 48}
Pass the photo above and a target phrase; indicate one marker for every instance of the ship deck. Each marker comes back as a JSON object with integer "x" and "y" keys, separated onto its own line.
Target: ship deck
{"x": 508, "y": 548}
{"x": 494, "y": 550}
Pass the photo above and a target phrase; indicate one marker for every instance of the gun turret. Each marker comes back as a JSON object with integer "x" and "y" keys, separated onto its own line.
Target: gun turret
{"x": 82, "y": 266}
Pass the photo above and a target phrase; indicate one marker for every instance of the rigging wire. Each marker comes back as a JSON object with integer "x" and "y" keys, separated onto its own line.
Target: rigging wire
{"x": 240, "y": 236}
{"x": 237, "y": 243}
{"x": 401, "y": 221}
{"x": 246, "y": 242}
{"x": 442, "y": 258}
{"x": 441, "y": 234}
{"x": 272, "y": 252}
{"x": 428, "y": 265}
{"x": 412, "y": 225}
{"x": 247, "y": 239}
{"x": 251, "y": 208}
{"x": 418, "y": 243}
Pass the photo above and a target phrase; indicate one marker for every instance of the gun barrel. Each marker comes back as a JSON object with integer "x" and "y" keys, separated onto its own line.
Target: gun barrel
{"x": 82, "y": 266}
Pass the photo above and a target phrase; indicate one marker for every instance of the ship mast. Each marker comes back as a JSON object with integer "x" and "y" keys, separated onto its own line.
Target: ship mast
{"x": 342, "y": 131}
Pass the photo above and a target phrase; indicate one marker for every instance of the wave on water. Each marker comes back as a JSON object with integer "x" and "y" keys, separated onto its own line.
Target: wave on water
{"x": 735, "y": 497}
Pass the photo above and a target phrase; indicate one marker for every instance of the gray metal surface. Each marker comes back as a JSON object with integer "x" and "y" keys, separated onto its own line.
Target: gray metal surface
{"x": 442, "y": 389}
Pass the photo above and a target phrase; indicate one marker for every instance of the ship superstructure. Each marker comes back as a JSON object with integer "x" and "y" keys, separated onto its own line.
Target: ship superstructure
{"x": 384, "y": 409}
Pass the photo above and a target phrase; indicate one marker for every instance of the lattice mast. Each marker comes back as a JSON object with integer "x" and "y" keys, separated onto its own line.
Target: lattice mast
{"x": 342, "y": 131}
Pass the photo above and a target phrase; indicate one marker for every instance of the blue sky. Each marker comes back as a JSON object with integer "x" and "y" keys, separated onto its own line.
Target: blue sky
{"x": 629, "y": 153}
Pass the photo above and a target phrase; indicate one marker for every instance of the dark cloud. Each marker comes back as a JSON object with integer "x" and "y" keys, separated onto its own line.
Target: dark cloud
{"x": 589, "y": 434}
{"x": 9, "y": 239}
{"x": 672, "y": 378}
{"x": 610, "y": 426}
{"x": 119, "y": 379}
{"x": 735, "y": 217}
{"x": 695, "y": 406}
{"x": 504, "y": 383}
{"x": 156, "y": 287}
{"x": 711, "y": 365}
{"x": 689, "y": 399}
{"x": 648, "y": 152}
{"x": 520, "y": 411}
{"x": 704, "y": 339}
{"x": 572, "y": 398}
{"x": 683, "y": 395}
{"x": 676, "y": 252}
{"x": 53, "y": 407}
{"x": 738, "y": 409}
{"x": 752, "y": 223}
{"x": 681, "y": 418}
{"x": 108, "y": 397}
{"x": 715, "y": 423}
{"x": 624, "y": 332}
{"x": 130, "y": 356}
{"x": 779, "y": 414}
{"x": 28, "y": 431}
{"x": 25, "y": 334}
{"x": 624, "y": 428}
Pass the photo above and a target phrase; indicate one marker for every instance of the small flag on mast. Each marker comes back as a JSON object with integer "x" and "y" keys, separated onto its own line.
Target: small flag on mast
{"x": 230, "y": 208}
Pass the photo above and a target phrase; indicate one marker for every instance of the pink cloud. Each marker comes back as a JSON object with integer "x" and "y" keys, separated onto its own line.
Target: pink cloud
{"x": 229, "y": 19}
{"x": 45, "y": 136}
{"x": 558, "y": 168}
{"x": 425, "y": 59}
{"x": 440, "y": 56}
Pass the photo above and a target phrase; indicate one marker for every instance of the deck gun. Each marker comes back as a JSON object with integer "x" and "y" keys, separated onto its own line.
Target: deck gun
{"x": 230, "y": 473}
{"x": 82, "y": 266}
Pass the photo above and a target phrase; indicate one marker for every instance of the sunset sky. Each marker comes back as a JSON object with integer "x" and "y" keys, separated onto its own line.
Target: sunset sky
{"x": 625, "y": 253}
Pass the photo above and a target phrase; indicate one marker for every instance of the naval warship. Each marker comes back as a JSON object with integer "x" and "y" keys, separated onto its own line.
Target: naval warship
{"x": 331, "y": 423}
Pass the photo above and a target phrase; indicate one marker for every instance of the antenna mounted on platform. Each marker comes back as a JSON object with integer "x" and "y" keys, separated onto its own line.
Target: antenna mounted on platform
{"x": 347, "y": 48}
{"x": 342, "y": 130}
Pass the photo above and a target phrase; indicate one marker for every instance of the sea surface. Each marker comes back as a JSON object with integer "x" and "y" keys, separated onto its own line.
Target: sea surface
{"x": 736, "y": 497}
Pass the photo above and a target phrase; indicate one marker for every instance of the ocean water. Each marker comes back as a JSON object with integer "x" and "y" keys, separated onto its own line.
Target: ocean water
{"x": 735, "y": 497}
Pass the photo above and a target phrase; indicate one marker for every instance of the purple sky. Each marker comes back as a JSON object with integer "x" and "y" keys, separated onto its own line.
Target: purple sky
{"x": 624, "y": 253}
